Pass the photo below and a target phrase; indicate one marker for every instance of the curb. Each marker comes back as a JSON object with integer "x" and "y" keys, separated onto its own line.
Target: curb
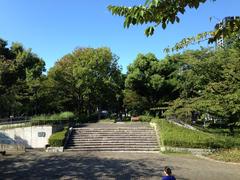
{"x": 213, "y": 160}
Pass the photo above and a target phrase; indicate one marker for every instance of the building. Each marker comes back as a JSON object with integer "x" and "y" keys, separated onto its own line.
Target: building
{"x": 221, "y": 25}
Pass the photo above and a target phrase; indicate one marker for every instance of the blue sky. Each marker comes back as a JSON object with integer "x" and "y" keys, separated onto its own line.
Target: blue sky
{"x": 53, "y": 28}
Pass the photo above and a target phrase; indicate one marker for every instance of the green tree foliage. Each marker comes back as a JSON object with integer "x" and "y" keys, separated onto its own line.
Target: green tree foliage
{"x": 19, "y": 68}
{"x": 151, "y": 82}
{"x": 162, "y": 12}
{"x": 158, "y": 12}
{"x": 211, "y": 86}
{"x": 86, "y": 80}
{"x": 229, "y": 30}
{"x": 134, "y": 102}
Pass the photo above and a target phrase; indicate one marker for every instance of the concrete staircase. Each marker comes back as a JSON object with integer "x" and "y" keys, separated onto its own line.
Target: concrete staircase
{"x": 113, "y": 137}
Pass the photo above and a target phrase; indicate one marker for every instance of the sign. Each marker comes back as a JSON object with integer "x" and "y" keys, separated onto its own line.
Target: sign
{"x": 41, "y": 134}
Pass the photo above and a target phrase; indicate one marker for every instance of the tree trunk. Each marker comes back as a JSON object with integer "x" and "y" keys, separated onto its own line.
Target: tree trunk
{"x": 231, "y": 129}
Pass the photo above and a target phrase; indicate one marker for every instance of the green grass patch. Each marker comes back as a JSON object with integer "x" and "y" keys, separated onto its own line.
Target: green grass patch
{"x": 144, "y": 118}
{"x": 176, "y": 136}
{"x": 107, "y": 120}
{"x": 63, "y": 117}
{"x": 227, "y": 155}
{"x": 221, "y": 131}
{"x": 57, "y": 139}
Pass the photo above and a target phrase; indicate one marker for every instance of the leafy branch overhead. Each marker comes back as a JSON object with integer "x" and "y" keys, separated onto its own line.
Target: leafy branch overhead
{"x": 158, "y": 12}
{"x": 227, "y": 30}
{"x": 163, "y": 12}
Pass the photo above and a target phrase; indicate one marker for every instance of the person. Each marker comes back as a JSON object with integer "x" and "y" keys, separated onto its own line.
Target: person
{"x": 168, "y": 174}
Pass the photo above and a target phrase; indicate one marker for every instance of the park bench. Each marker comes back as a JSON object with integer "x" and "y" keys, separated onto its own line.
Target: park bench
{"x": 135, "y": 118}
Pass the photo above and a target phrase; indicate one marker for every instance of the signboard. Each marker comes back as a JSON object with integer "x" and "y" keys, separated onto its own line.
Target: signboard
{"x": 41, "y": 134}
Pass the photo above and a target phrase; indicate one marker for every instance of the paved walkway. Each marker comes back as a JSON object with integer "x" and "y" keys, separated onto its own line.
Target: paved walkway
{"x": 108, "y": 165}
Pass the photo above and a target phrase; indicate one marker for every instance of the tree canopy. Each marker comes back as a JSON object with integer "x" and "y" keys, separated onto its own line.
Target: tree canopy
{"x": 19, "y": 70}
{"x": 150, "y": 82}
{"x": 86, "y": 80}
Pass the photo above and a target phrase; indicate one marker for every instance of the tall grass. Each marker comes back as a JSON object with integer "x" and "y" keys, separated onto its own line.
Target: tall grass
{"x": 176, "y": 136}
{"x": 228, "y": 155}
{"x": 62, "y": 117}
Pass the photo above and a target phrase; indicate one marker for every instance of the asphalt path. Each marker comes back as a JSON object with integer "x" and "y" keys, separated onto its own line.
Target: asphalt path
{"x": 112, "y": 165}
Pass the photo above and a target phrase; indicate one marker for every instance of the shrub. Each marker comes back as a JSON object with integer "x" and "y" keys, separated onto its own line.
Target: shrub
{"x": 127, "y": 118}
{"x": 66, "y": 115}
{"x": 57, "y": 139}
{"x": 145, "y": 118}
{"x": 63, "y": 117}
{"x": 82, "y": 118}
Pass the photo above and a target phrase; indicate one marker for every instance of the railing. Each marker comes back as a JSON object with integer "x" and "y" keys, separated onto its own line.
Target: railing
{"x": 14, "y": 120}
{"x": 27, "y": 120}
{"x": 68, "y": 136}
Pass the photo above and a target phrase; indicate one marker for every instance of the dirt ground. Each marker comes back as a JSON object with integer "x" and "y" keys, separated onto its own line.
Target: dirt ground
{"x": 111, "y": 165}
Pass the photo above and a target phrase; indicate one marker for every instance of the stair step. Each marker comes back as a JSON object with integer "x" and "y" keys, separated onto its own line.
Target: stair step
{"x": 112, "y": 143}
{"x": 115, "y": 128}
{"x": 113, "y": 132}
{"x": 114, "y": 149}
{"x": 113, "y": 138}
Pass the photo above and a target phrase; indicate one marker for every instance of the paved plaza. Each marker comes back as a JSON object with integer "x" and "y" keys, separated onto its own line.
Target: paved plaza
{"x": 111, "y": 165}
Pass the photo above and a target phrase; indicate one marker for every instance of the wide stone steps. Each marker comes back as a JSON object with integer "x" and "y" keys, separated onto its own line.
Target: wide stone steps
{"x": 116, "y": 132}
{"x": 111, "y": 143}
{"x": 139, "y": 137}
{"x": 113, "y": 149}
{"x": 119, "y": 136}
{"x": 126, "y": 139}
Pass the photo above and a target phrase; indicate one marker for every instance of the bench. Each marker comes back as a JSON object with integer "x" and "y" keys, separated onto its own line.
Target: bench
{"x": 135, "y": 118}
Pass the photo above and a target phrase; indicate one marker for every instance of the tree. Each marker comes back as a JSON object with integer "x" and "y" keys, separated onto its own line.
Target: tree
{"x": 17, "y": 68}
{"x": 152, "y": 80}
{"x": 86, "y": 80}
{"x": 135, "y": 103}
{"x": 210, "y": 86}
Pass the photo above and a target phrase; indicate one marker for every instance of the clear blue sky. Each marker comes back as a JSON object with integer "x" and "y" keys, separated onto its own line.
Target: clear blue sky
{"x": 53, "y": 28}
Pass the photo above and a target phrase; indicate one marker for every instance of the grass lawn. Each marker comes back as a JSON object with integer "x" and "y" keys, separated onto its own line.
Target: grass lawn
{"x": 228, "y": 155}
{"x": 221, "y": 131}
{"x": 107, "y": 120}
{"x": 176, "y": 136}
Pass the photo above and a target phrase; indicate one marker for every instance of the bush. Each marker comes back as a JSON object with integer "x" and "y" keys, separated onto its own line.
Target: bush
{"x": 93, "y": 118}
{"x": 57, "y": 139}
{"x": 66, "y": 115}
{"x": 176, "y": 136}
{"x": 82, "y": 118}
{"x": 145, "y": 118}
{"x": 63, "y": 117}
{"x": 127, "y": 118}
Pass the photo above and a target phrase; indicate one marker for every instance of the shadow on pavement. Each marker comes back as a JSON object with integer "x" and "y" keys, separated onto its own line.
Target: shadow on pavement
{"x": 75, "y": 166}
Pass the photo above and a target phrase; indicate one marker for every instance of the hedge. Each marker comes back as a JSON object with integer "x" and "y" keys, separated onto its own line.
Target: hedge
{"x": 57, "y": 139}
